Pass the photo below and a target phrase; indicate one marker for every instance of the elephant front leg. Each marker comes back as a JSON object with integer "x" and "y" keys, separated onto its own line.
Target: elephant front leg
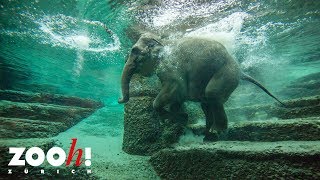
{"x": 175, "y": 114}
{"x": 166, "y": 96}
{"x": 161, "y": 100}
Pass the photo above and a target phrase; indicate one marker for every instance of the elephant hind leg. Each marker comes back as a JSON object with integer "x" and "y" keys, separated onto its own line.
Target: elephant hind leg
{"x": 220, "y": 117}
{"x": 216, "y": 120}
{"x": 209, "y": 135}
{"x": 222, "y": 84}
{"x": 217, "y": 92}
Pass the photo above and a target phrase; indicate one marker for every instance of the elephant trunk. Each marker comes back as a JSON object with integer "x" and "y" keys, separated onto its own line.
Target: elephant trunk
{"x": 127, "y": 73}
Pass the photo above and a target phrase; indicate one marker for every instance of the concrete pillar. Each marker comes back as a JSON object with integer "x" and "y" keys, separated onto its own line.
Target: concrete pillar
{"x": 145, "y": 132}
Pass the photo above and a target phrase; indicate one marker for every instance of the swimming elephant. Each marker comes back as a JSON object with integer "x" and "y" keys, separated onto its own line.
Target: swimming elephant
{"x": 197, "y": 69}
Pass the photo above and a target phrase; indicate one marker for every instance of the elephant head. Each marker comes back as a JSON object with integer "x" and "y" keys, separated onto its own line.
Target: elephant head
{"x": 143, "y": 59}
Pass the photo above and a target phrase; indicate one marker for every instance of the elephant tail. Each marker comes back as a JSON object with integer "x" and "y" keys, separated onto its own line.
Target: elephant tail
{"x": 252, "y": 80}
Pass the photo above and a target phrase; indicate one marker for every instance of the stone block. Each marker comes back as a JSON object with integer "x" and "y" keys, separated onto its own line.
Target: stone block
{"x": 302, "y": 129}
{"x": 240, "y": 160}
{"x": 28, "y": 97}
{"x": 145, "y": 131}
{"x": 295, "y": 108}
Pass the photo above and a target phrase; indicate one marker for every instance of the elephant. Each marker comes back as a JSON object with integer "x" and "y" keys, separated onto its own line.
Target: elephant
{"x": 197, "y": 69}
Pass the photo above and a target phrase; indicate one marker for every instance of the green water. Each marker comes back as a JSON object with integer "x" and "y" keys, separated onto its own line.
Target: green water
{"x": 62, "y": 47}
{"x": 45, "y": 47}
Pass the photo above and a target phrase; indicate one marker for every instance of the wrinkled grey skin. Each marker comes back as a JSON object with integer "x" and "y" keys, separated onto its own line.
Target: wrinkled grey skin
{"x": 203, "y": 71}
{"x": 143, "y": 59}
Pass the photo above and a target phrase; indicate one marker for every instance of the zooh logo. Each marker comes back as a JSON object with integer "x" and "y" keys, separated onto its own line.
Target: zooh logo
{"x": 55, "y": 156}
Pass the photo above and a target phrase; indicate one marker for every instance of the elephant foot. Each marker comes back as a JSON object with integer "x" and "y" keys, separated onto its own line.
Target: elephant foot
{"x": 210, "y": 137}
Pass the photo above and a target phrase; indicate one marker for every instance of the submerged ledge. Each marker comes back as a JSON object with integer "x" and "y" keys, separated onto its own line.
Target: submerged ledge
{"x": 28, "y": 97}
{"x": 300, "y": 129}
{"x": 244, "y": 160}
{"x": 36, "y": 115}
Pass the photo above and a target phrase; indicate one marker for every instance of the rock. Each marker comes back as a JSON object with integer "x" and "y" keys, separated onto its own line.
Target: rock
{"x": 27, "y": 97}
{"x": 299, "y": 112}
{"x": 69, "y": 115}
{"x": 141, "y": 127}
{"x": 145, "y": 132}
{"x": 25, "y": 128}
{"x": 194, "y": 111}
{"x": 240, "y": 160}
{"x": 295, "y": 108}
{"x": 303, "y": 102}
{"x": 306, "y": 129}
{"x": 30, "y": 115}
{"x": 308, "y": 85}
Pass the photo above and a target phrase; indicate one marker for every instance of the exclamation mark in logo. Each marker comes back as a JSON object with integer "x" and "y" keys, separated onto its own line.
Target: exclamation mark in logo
{"x": 88, "y": 156}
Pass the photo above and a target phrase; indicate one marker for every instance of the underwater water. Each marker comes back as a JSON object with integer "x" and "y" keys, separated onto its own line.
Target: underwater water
{"x": 62, "y": 47}
{"x": 66, "y": 49}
